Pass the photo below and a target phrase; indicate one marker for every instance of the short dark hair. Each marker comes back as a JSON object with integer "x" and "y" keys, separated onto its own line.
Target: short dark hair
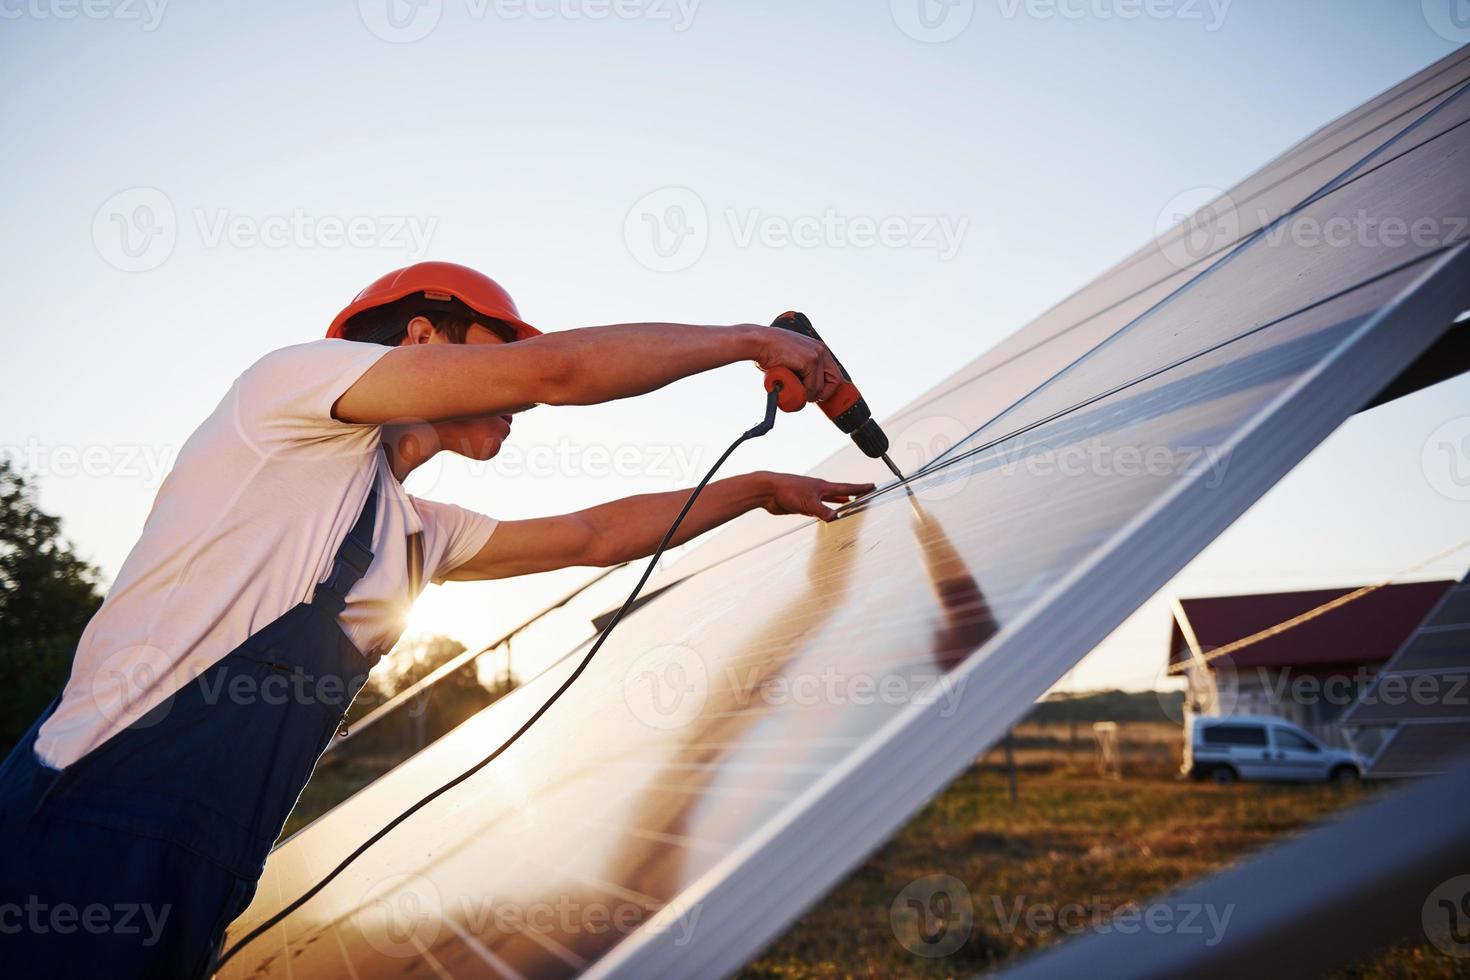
{"x": 388, "y": 324}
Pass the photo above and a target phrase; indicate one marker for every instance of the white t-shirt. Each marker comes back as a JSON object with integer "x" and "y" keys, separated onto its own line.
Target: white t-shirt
{"x": 243, "y": 528}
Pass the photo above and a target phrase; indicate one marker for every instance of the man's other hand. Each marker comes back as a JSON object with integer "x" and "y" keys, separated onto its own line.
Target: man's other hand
{"x": 792, "y": 494}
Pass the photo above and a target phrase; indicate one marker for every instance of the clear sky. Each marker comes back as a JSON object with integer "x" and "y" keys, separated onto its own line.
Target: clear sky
{"x": 189, "y": 185}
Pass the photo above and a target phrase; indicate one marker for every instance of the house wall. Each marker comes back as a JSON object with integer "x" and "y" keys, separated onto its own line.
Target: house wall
{"x": 1315, "y": 700}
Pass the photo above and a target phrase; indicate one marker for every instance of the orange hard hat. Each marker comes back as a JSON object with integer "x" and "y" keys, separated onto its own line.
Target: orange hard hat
{"x": 442, "y": 282}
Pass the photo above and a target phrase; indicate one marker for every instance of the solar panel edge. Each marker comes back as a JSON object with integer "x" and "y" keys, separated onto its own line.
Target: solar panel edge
{"x": 1460, "y": 58}
{"x": 1321, "y": 399}
{"x": 694, "y": 560}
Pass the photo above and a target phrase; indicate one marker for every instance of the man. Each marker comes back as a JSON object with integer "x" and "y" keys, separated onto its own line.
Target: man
{"x": 273, "y": 571}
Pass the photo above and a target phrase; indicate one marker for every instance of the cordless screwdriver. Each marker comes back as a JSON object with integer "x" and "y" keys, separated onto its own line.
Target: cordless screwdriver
{"x": 846, "y": 408}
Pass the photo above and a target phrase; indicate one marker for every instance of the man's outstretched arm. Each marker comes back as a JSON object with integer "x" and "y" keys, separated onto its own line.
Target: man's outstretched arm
{"x": 628, "y": 529}
{"x": 438, "y": 382}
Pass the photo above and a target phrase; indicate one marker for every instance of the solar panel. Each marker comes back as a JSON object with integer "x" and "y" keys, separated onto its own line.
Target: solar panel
{"x": 1423, "y": 693}
{"x": 745, "y": 739}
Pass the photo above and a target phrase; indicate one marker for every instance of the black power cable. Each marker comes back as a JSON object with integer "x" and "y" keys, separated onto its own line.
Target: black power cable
{"x": 765, "y": 426}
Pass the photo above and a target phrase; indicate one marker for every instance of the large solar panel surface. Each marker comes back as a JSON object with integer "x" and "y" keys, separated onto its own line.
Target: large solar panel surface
{"x": 750, "y": 735}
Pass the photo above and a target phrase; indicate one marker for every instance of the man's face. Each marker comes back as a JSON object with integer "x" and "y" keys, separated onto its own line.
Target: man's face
{"x": 479, "y": 437}
{"x": 477, "y": 334}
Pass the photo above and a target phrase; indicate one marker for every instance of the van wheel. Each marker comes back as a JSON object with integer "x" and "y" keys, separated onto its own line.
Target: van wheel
{"x": 1223, "y": 775}
{"x": 1344, "y": 775}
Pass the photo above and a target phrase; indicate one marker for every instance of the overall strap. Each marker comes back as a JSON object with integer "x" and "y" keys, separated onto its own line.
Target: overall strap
{"x": 352, "y": 559}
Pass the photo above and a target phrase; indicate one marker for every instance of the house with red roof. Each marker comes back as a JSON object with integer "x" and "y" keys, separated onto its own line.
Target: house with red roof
{"x": 1309, "y": 672}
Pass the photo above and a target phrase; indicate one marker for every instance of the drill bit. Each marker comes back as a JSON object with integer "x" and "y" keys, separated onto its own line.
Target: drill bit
{"x": 884, "y": 457}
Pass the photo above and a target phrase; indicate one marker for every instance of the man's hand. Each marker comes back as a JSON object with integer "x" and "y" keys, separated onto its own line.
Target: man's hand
{"x": 790, "y": 494}
{"x": 628, "y": 529}
{"x": 808, "y": 359}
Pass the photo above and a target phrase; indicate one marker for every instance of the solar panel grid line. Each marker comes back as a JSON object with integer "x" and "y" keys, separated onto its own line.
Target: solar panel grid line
{"x": 1151, "y": 250}
{"x": 914, "y": 770}
{"x": 909, "y": 410}
{"x": 1439, "y": 701}
{"x": 600, "y": 884}
{"x": 1361, "y": 168}
{"x": 1439, "y": 647}
{"x": 336, "y": 936}
{"x": 1269, "y": 177}
{"x": 698, "y": 790}
{"x": 1182, "y": 361}
{"x": 556, "y": 949}
{"x": 1215, "y": 269}
{"x": 1000, "y": 452}
{"x": 1459, "y": 59}
{"x": 1376, "y": 761}
{"x": 678, "y": 840}
{"x": 681, "y": 840}
{"x": 434, "y": 965}
{"x": 679, "y": 568}
{"x": 1420, "y": 750}
{"x": 682, "y": 570}
{"x": 712, "y": 845}
{"x": 567, "y": 956}
{"x": 279, "y": 936}
{"x": 1429, "y": 724}
{"x": 463, "y": 941}
{"x": 1005, "y": 436}
{"x": 730, "y": 768}
{"x": 858, "y": 506}
{"x": 1418, "y": 671}
{"x": 1243, "y": 193}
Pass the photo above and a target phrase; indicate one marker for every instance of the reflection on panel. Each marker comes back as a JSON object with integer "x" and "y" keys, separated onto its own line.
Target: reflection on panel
{"x": 712, "y": 717}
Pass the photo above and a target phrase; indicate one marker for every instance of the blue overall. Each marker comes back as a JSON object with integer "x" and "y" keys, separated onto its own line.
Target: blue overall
{"x": 132, "y": 861}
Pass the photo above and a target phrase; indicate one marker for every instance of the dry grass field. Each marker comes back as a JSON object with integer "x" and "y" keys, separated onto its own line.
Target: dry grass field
{"x": 1075, "y": 845}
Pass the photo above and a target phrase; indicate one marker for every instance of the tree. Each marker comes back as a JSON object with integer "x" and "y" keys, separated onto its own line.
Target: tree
{"x": 47, "y": 595}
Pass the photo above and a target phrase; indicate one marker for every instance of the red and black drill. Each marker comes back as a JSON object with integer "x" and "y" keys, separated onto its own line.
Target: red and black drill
{"x": 846, "y": 408}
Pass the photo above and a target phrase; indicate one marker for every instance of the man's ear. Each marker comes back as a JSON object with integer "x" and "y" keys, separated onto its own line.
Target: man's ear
{"x": 420, "y": 330}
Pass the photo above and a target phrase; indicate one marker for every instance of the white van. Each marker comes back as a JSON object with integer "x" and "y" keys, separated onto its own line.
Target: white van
{"x": 1230, "y": 747}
